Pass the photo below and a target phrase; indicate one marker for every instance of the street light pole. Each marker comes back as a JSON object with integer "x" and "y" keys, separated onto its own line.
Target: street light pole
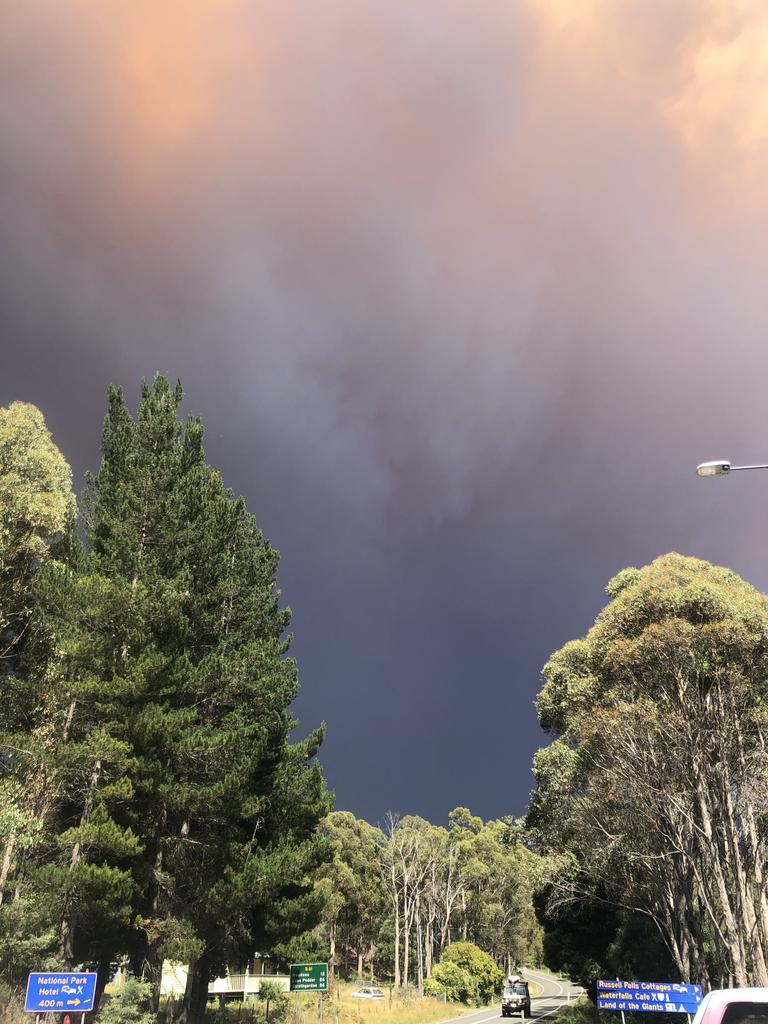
{"x": 723, "y": 468}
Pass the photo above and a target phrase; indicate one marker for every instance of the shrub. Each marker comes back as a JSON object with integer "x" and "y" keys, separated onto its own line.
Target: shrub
{"x": 452, "y": 981}
{"x": 272, "y": 994}
{"x": 130, "y": 1005}
{"x": 481, "y": 967}
{"x": 583, "y": 1011}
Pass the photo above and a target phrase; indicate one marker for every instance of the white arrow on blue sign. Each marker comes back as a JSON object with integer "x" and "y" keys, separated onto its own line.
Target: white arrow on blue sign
{"x": 59, "y": 992}
{"x": 648, "y": 996}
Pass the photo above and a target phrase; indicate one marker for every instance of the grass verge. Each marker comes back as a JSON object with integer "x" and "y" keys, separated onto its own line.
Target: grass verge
{"x": 584, "y": 1011}
{"x": 395, "y": 1008}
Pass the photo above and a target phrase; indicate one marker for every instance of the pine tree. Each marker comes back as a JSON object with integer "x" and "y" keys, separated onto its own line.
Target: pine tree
{"x": 88, "y": 866}
{"x": 224, "y": 809}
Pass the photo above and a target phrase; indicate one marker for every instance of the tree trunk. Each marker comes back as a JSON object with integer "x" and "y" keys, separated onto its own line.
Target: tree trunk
{"x": 732, "y": 931}
{"x": 406, "y": 947}
{"x": 755, "y": 870}
{"x": 152, "y": 969}
{"x": 68, "y": 925}
{"x": 102, "y": 977}
{"x": 157, "y": 865}
{"x": 419, "y": 951}
{"x": 10, "y": 845}
{"x": 429, "y": 947}
{"x": 749, "y": 922}
{"x": 397, "y": 946}
{"x": 196, "y": 992}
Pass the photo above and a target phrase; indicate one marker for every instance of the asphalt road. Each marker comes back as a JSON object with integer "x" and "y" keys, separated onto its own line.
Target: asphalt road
{"x": 554, "y": 993}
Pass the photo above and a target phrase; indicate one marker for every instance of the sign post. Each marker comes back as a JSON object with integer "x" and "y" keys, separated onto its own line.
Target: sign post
{"x": 310, "y": 978}
{"x": 60, "y": 992}
{"x": 648, "y": 997}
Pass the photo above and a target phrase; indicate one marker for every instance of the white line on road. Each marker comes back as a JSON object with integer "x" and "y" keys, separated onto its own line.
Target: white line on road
{"x": 532, "y": 1020}
{"x": 497, "y": 1014}
{"x": 548, "y": 978}
{"x": 471, "y": 1019}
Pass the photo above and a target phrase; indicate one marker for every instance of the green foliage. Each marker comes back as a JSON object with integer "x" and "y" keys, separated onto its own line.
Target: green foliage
{"x": 156, "y": 805}
{"x": 305, "y": 947}
{"x": 583, "y": 1011}
{"x": 473, "y": 880}
{"x": 27, "y": 938}
{"x": 658, "y": 719}
{"x": 454, "y": 982}
{"x": 131, "y": 1005}
{"x": 224, "y": 806}
{"x": 351, "y": 883}
{"x": 485, "y": 973}
{"x": 36, "y": 507}
{"x": 462, "y": 822}
{"x": 591, "y": 938}
{"x": 36, "y": 501}
{"x": 151, "y": 801}
{"x": 275, "y": 1000}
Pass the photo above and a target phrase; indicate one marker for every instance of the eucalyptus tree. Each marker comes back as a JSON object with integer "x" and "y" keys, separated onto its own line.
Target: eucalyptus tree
{"x": 501, "y": 875}
{"x": 36, "y": 506}
{"x": 404, "y": 867}
{"x": 653, "y": 789}
{"x": 353, "y": 889}
{"x": 37, "y": 509}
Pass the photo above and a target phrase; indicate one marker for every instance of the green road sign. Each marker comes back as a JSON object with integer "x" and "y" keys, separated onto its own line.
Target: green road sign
{"x": 309, "y": 977}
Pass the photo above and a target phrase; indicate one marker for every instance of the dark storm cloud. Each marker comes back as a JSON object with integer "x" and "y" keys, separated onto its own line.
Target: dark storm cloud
{"x": 462, "y": 290}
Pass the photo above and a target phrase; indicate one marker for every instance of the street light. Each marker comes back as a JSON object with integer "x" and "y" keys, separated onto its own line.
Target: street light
{"x": 722, "y": 468}
{"x": 713, "y": 468}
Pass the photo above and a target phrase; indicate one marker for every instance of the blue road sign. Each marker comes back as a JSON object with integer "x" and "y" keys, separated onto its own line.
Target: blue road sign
{"x": 648, "y": 996}
{"x": 54, "y": 992}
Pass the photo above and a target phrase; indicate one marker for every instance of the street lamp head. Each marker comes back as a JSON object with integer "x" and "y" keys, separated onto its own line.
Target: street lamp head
{"x": 713, "y": 468}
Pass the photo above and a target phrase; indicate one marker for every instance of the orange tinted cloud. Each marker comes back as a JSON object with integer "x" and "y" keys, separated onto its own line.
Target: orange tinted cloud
{"x": 721, "y": 109}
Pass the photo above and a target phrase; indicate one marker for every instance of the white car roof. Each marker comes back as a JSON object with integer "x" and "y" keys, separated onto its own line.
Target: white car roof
{"x": 721, "y": 996}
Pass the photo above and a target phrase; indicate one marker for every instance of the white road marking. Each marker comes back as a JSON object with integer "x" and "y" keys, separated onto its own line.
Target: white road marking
{"x": 548, "y": 978}
{"x": 497, "y": 1014}
{"x": 470, "y": 1019}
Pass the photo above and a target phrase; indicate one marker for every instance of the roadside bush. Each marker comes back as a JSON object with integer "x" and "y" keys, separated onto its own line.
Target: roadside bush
{"x": 584, "y": 1011}
{"x": 482, "y": 968}
{"x": 11, "y": 1007}
{"x": 275, "y": 1000}
{"x": 453, "y": 982}
{"x": 130, "y": 1005}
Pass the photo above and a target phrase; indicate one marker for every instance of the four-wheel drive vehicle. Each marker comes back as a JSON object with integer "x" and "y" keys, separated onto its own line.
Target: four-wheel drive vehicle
{"x": 733, "y": 1006}
{"x": 517, "y": 999}
{"x": 367, "y": 993}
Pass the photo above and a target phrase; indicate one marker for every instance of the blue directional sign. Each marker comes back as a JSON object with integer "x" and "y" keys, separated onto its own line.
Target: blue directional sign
{"x": 55, "y": 992}
{"x": 648, "y": 996}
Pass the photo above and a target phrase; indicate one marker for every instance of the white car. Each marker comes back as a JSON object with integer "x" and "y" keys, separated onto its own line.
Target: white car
{"x": 367, "y": 993}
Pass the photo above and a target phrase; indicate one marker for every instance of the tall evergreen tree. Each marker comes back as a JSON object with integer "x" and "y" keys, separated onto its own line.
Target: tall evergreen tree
{"x": 224, "y": 809}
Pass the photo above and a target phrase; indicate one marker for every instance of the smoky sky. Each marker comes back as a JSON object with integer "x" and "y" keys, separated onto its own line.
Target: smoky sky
{"x": 463, "y": 290}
